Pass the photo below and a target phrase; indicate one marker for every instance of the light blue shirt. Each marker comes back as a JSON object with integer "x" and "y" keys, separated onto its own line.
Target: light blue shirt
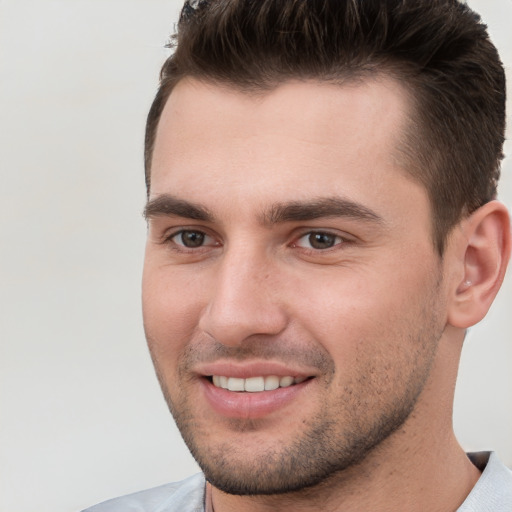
{"x": 493, "y": 490}
{"x": 492, "y": 493}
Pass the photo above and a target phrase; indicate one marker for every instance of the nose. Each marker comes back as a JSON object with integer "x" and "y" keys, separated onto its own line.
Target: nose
{"x": 244, "y": 299}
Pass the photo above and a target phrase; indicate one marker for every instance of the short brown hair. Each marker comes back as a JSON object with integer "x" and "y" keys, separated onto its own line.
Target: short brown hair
{"x": 439, "y": 49}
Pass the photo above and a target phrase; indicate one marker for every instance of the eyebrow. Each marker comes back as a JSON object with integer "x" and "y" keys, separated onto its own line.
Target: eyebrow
{"x": 168, "y": 205}
{"x": 320, "y": 208}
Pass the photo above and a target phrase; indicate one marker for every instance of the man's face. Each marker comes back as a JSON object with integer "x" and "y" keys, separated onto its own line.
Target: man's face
{"x": 287, "y": 248}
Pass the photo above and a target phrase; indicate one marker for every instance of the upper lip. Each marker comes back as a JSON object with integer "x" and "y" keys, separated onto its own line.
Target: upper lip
{"x": 245, "y": 370}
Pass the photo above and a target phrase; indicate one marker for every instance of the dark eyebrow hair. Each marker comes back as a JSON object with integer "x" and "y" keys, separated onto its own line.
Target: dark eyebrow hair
{"x": 167, "y": 204}
{"x": 319, "y": 208}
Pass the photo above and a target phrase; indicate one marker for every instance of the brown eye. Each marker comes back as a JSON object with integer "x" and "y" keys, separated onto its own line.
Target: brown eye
{"x": 190, "y": 239}
{"x": 319, "y": 240}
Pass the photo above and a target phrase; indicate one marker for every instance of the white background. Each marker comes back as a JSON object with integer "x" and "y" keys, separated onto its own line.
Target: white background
{"x": 81, "y": 416}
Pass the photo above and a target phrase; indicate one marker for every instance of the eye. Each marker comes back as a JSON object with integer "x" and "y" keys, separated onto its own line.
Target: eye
{"x": 318, "y": 240}
{"x": 192, "y": 239}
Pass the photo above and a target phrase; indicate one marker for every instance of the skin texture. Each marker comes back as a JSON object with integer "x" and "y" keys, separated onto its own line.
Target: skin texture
{"x": 277, "y": 279}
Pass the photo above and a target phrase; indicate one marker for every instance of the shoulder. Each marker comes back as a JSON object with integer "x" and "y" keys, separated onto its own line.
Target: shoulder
{"x": 184, "y": 496}
{"x": 493, "y": 491}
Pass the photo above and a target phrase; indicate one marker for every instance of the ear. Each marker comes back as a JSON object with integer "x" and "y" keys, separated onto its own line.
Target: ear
{"x": 483, "y": 248}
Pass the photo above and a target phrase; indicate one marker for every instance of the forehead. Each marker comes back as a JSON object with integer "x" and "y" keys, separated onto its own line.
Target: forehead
{"x": 304, "y": 139}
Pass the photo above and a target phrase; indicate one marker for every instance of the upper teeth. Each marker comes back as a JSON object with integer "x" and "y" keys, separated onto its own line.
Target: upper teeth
{"x": 255, "y": 384}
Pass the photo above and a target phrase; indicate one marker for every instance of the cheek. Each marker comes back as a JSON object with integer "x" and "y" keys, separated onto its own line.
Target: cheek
{"x": 171, "y": 306}
{"x": 376, "y": 317}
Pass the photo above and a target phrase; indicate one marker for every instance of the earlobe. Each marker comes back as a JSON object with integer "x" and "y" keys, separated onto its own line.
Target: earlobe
{"x": 485, "y": 245}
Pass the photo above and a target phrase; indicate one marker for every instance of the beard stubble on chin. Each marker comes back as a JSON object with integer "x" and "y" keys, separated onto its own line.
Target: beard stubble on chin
{"x": 340, "y": 436}
{"x": 353, "y": 418}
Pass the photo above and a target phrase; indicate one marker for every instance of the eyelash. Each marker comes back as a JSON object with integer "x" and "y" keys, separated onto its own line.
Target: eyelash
{"x": 338, "y": 240}
{"x": 181, "y": 247}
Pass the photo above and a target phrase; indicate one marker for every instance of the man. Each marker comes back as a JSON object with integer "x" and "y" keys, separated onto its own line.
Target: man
{"x": 322, "y": 231}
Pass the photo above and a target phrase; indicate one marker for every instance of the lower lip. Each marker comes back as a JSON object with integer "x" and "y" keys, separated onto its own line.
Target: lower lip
{"x": 234, "y": 404}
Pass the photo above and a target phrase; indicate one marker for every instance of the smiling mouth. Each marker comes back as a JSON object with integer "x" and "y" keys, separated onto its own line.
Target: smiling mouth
{"x": 255, "y": 384}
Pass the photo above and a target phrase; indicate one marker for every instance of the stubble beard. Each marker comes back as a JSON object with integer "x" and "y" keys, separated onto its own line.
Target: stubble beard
{"x": 323, "y": 451}
{"x": 326, "y": 446}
